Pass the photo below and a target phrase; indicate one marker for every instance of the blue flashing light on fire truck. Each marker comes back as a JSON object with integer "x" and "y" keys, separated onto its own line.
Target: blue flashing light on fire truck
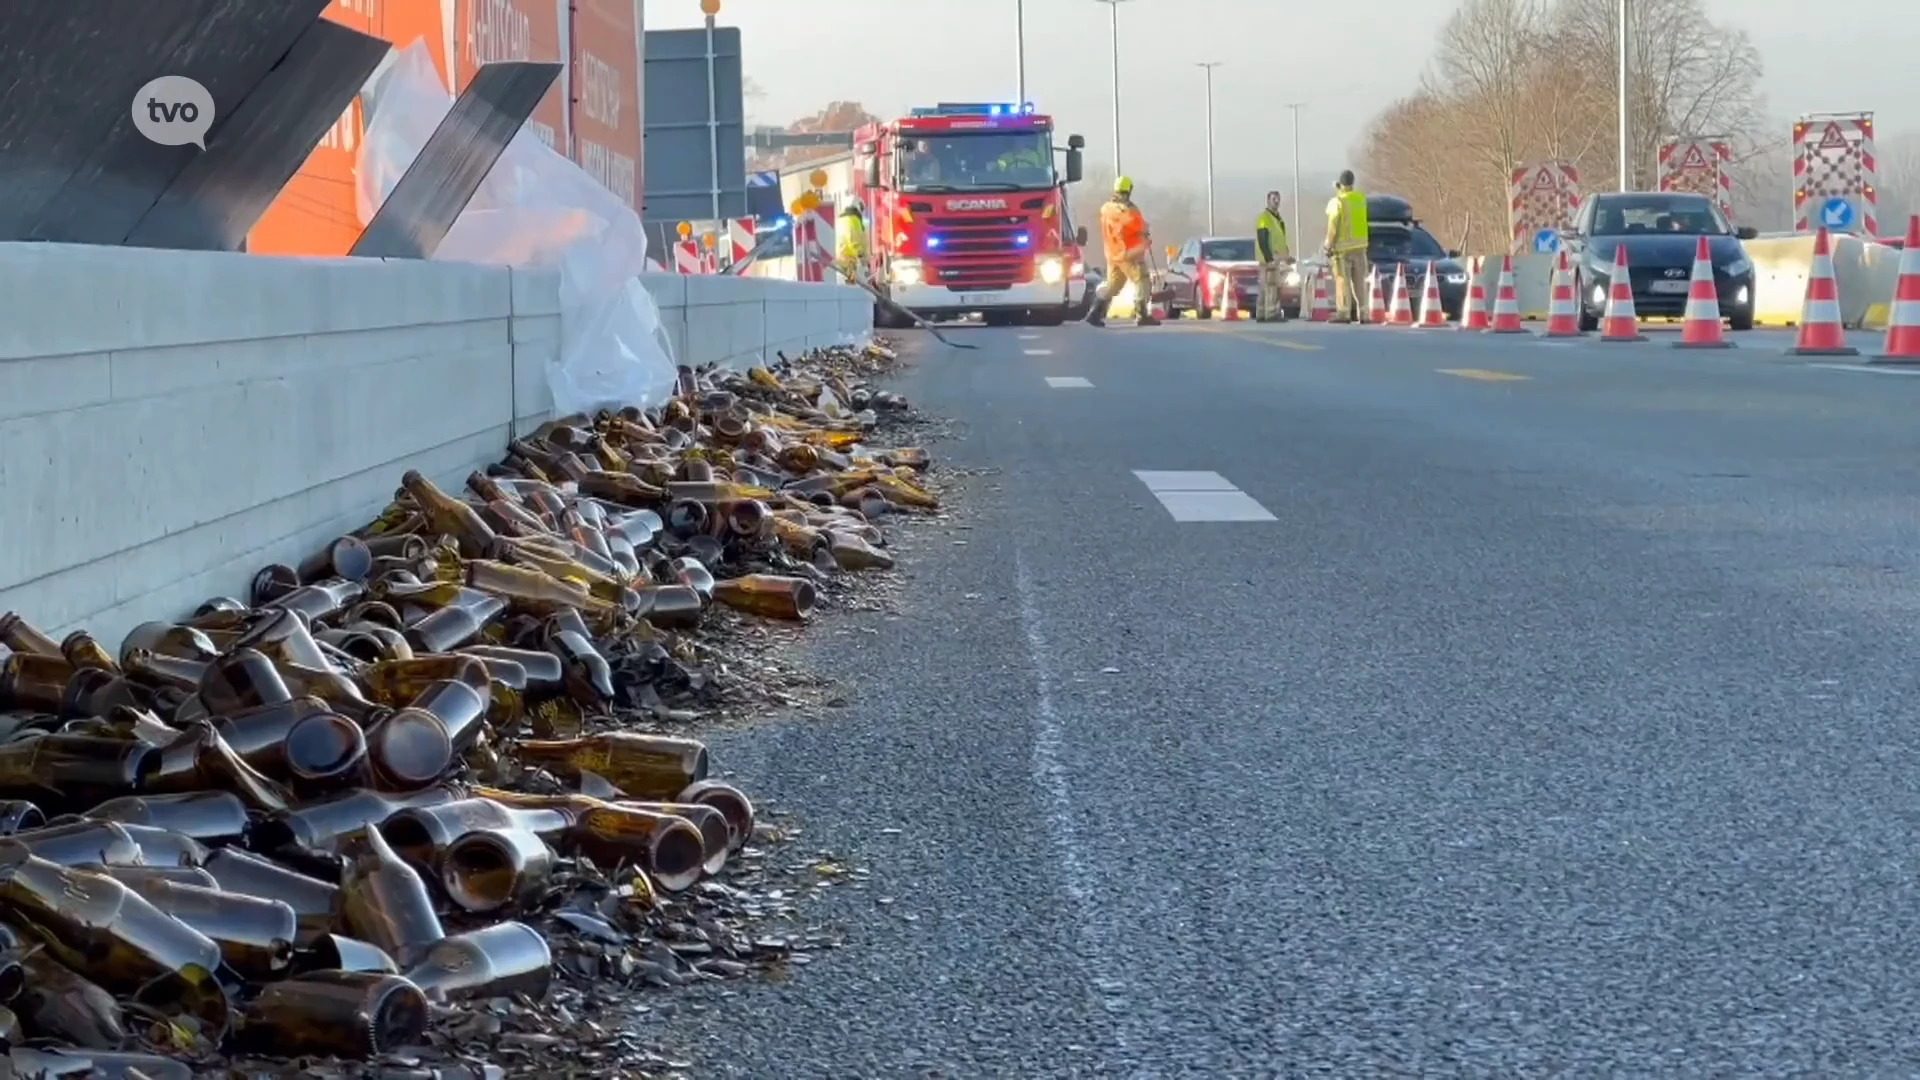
{"x": 967, "y": 213}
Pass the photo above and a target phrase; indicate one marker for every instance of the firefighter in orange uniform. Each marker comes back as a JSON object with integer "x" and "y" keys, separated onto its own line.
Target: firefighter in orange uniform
{"x": 1124, "y": 230}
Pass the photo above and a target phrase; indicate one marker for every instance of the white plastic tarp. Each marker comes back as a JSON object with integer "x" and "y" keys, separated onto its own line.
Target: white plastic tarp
{"x": 535, "y": 210}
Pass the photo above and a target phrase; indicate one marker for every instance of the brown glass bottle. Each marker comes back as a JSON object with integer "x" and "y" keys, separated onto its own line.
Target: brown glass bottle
{"x": 493, "y": 870}
{"x": 501, "y": 960}
{"x": 322, "y": 599}
{"x": 637, "y": 527}
{"x": 732, "y": 803}
{"x": 97, "y": 693}
{"x": 114, "y": 936}
{"x": 408, "y": 749}
{"x": 19, "y": 815}
{"x": 82, "y": 650}
{"x": 397, "y": 682}
{"x": 348, "y": 1014}
{"x": 643, "y": 766}
{"x": 21, "y": 636}
{"x": 340, "y": 693}
{"x": 349, "y": 558}
{"x": 569, "y": 570}
{"x": 100, "y": 1064}
{"x": 303, "y": 740}
{"x": 315, "y": 903}
{"x": 518, "y": 669}
{"x": 338, "y": 952}
{"x": 35, "y": 682}
{"x": 588, "y": 679}
{"x": 60, "y": 1003}
{"x": 256, "y": 936}
{"x": 138, "y": 875}
{"x": 670, "y": 607}
{"x": 77, "y": 843}
{"x": 768, "y": 596}
{"x": 169, "y": 639}
{"x": 74, "y": 770}
{"x": 850, "y": 552}
{"x": 179, "y": 673}
{"x": 460, "y": 708}
{"x": 451, "y": 627}
{"x": 715, "y": 836}
{"x": 217, "y": 816}
{"x": 422, "y": 834}
{"x": 200, "y": 760}
{"x": 283, "y": 637}
{"x": 242, "y": 679}
{"x": 384, "y": 901}
{"x": 319, "y": 826}
{"x": 532, "y": 591}
{"x": 164, "y": 847}
{"x": 671, "y": 849}
{"x": 450, "y": 516}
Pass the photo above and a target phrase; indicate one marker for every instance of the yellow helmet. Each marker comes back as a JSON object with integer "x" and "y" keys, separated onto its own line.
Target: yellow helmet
{"x": 1123, "y": 185}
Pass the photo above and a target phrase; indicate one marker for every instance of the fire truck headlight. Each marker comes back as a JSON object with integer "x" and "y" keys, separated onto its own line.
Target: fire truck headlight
{"x": 1078, "y": 269}
{"x": 1051, "y": 271}
{"x": 906, "y": 271}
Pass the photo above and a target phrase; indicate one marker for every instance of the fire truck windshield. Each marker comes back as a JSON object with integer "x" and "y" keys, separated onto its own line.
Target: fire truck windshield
{"x": 978, "y": 161}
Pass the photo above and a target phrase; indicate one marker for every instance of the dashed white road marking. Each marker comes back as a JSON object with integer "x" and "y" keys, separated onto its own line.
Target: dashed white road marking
{"x": 1874, "y": 369}
{"x": 1038, "y": 352}
{"x": 1029, "y": 337}
{"x": 1068, "y": 382}
{"x": 1202, "y": 496}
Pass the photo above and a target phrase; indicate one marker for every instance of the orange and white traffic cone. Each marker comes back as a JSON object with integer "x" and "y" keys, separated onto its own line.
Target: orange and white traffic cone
{"x": 1903, "y": 320}
{"x": 1506, "y": 302}
{"x": 1822, "y": 332}
{"x": 1474, "y": 316}
{"x": 1376, "y": 298}
{"x": 1432, "y": 314}
{"x": 1563, "y": 310}
{"x": 1400, "y": 309}
{"x": 1700, "y": 324}
{"x": 1320, "y": 309}
{"x": 1622, "y": 323}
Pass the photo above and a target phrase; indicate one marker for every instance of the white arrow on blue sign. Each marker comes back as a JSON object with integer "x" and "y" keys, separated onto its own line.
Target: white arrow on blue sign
{"x": 1836, "y": 214}
{"x": 1546, "y": 241}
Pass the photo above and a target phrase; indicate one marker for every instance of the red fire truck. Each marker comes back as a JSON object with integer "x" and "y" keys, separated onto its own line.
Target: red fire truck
{"x": 967, "y": 213}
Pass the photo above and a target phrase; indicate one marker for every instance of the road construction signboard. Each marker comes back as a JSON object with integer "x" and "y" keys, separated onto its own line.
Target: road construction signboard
{"x": 1541, "y": 197}
{"x": 1702, "y": 165}
{"x": 1835, "y": 174}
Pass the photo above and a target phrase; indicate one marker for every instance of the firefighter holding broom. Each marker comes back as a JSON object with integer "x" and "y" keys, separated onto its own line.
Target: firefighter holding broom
{"x": 1123, "y": 231}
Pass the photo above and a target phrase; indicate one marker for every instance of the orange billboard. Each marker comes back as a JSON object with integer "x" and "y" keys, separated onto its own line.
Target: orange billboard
{"x": 495, "y": 30}
{"x": 604, "y": 83}
{"x": 314, "y": 214}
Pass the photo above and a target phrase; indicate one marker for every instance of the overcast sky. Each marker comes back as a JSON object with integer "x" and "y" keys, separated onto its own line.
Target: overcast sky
{"x": 1344, "y": 60}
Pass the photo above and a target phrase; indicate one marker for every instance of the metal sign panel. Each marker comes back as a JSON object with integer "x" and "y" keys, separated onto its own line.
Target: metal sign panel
{"x": 679, "y": 160}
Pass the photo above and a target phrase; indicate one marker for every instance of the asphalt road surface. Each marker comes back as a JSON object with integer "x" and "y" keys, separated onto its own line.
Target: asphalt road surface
{"x": 1558, "y": 720}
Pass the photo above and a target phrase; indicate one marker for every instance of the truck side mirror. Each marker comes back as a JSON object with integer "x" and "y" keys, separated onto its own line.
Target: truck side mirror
{"x": 1076, "y": 167}
{"x": 1076, "y": 142}
{"x": 872, "y": 175}
{"x": 1746, "y": 232}
{"x": 1080, "y": 236}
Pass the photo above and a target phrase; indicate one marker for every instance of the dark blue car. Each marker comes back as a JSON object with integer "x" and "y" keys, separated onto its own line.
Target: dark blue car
{"x": 1661, "y": 232}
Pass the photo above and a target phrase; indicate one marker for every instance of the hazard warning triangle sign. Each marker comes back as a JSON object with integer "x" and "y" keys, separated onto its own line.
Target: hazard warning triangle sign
{"x": 1694, "y": 159}
{"x": 1833, "y": 138}
{"x": 1544, "y": 181}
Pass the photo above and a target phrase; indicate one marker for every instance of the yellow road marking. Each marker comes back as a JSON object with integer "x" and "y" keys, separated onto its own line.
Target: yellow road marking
{"x": 1482, "y": 375}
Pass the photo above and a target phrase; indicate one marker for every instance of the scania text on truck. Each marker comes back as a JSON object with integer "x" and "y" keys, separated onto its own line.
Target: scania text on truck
{"x": 967, "y": 214}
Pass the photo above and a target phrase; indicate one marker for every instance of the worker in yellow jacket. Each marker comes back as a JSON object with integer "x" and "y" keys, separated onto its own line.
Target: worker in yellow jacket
{"x": 851, "y": 242}
{"x": 1270, "y": 244}
{"x": 1346, "y": 249}
{"x": 1123, "y": 231}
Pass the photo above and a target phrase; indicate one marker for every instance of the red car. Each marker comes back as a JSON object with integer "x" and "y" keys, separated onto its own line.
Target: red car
{"x": 1201, "y": 273}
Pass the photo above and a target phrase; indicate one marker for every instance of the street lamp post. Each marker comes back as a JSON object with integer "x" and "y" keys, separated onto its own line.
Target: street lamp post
{"x": 1020, "y": 46}
{"x": 1299, "y": 223}
{"x": 1113, "y": 22}
{"x": 1626, "y": 167}
{"x": 1207, "y": 66}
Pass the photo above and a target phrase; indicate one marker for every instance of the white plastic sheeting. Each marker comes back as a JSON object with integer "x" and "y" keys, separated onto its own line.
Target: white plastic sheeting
{"x": 536, "y": 209}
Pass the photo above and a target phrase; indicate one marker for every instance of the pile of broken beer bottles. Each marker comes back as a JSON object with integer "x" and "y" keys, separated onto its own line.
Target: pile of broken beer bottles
{"x": 294, "y": 825}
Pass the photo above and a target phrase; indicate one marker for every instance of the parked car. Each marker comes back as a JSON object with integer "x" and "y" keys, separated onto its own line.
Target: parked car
{"x": 1396, "y": 240}
{"x": 1661, "y": 232}
{"x": 1203, "y": 272}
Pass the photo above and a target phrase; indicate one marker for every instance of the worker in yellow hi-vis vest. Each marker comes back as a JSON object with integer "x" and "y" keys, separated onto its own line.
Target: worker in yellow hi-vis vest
{"x": 1270, "y": 244}
{"x": 850, "y": 254}
{"x": 1346, "y": 249}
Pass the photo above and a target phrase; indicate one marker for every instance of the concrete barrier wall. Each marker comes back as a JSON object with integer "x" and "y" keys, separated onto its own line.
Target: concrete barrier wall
{"x": 171, "y": 421}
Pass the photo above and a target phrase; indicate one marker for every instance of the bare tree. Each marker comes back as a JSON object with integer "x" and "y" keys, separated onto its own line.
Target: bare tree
{"x": 1899, "y": 160}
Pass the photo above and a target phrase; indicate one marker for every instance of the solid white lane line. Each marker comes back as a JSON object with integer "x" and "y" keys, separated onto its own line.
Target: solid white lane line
{"x": 1869, "y": 368}
{"x": 1029, "y": 337}
{"x": 1157, "y": 481}
{"x": 1068, "y": 382}
{"x": 1038, "y": 352}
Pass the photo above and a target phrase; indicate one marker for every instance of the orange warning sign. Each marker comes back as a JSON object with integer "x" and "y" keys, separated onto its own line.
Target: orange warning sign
{"x": 1694, "y": 159}
{"x": 1833, "y": 138}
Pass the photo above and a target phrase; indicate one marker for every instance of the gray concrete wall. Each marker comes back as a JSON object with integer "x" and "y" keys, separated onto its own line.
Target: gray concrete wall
{"x": 171, "y": 421}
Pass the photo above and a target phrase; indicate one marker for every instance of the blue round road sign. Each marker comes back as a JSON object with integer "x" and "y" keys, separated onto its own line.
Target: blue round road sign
{"x": 1546, "y": 241}
{"x": 1836, "y": 213}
